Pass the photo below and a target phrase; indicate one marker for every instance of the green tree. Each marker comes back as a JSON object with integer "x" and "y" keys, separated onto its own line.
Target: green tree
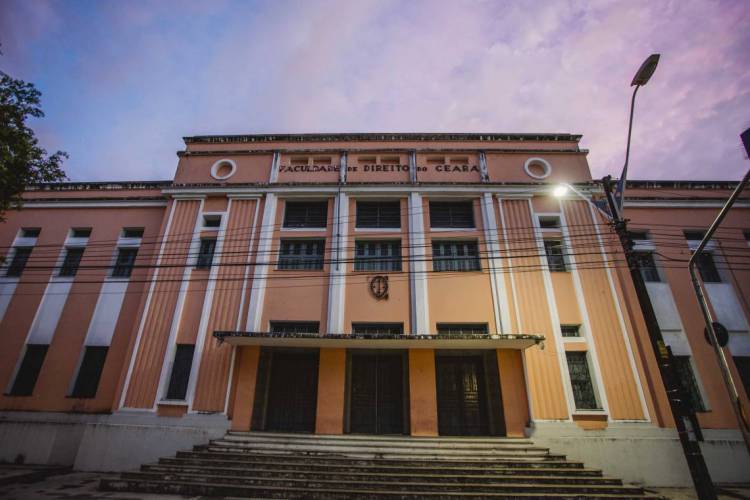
{"x": 22, "y": 161}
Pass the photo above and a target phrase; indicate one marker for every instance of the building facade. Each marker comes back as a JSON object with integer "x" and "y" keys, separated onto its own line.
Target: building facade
{"x": 416, "y": 284}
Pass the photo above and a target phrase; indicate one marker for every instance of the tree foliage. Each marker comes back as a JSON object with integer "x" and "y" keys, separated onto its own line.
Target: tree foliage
{"x": 22, "y": 161}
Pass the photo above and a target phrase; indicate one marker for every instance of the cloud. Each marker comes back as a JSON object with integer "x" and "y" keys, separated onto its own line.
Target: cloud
{"x": 123, "y": 82}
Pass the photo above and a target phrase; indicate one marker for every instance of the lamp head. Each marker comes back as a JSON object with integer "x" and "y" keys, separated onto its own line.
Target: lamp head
{"x": 646, "y": 70}
{"x": 560, "y": 191}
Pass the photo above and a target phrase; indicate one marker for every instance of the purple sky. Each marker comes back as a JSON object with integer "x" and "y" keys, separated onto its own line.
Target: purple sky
{"x": 123, "y": 81}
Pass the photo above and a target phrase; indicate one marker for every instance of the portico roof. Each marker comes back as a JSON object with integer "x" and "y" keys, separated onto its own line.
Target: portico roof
{"x": 369, "y": 341}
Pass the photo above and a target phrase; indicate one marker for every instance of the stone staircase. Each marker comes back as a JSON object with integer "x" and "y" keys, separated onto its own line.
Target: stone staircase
{"x": 254, "y": 464}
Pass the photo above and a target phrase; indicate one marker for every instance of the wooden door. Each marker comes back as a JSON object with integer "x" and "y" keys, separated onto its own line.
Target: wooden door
{"x": 461, "y": 396}
{"x": 292, "y": 391}
{"x": 376, "y": 402}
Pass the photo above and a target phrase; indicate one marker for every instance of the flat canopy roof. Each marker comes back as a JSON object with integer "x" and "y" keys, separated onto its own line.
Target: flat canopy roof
{"x": 369, "y": 341}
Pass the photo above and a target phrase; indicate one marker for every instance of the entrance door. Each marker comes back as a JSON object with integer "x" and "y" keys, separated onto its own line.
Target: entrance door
{"x": 292, "y": 391}
{"x": 376, "y": 402}
{"x": 461, "y": 396}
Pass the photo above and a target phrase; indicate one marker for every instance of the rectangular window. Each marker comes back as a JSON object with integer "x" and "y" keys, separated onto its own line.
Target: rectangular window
{"x": 80, "y": 232}
{"x": 178, "y": 380}
{"x": 132, "y": 232}
{"x": 379, "y": 214}
{"x": 638, "y": 235}
{"x": 124, "y": 263}
{"x": 212, "y": 221}
{"x": 570, "y": 330}
{"x": 688, "y": 383}
{"x": 18, "y": 262}
{"x": 294, "y": 327}
{"x": 301, "y": 254}
{"x": 90, "y": 372}
{"x": 694, "y": 235}
{"x": 743, "y": 368}
{"x": 377, "y": 256}
{"x": 580, "y": 380}
{"x": 707, "y": 268}
{"x": 455, "y": 256}
{"x": 555, "y": 257}
{"x": 30, "y": 232}
{"x": 549, "y": 222}
{"x": 462, "y": 329}
{"x": 378, "y": 329}
{"x": 647, "y": 266}
{"x": 71, "y": 261}
{"x": 206, "y": 253}
{"x": 29, "y": 370}
{"x": 452, "y": 214}
{"x": 310, "y": 214}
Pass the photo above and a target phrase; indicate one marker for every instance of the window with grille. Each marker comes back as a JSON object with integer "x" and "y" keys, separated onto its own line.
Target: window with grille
{"x": 462, "y": 328}
{"x": 707, "y": 268}
{"x": 132, "y": 232}
{"x": 178, "y": 380}
{"x": 29, "y": 370}
{"x": 455, "y": 256}
{"x": 206, "y": 253}
{"x": 376, "y": 329}
{"x": 378, "y": 214}
{"x": 580, "y": 380}
{"x": 18, "y": 262}
{"x": 30, "y": 232}
{"x": 555, "y": 257}
{"x": 301, "y": 254}
{"x": 377, "y": 256}
{"x": 212, "y": 221}
{"x": 570, "y": 330}
{"x": 647, "y": 266}
{"x": 305, "y": 214}
{"x": 688, "y": 383}
{"x": 90, "y": 372}
{"x": 124, "y": 262}
{"x": 295, "y": 327}
{"x": 549, "y": 222}
{"x": 71, "y": 261}
{"x": 452, "y": 214}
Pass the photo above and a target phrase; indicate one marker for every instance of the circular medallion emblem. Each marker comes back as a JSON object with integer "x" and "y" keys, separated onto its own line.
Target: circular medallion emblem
{"x": 379, "y": 287}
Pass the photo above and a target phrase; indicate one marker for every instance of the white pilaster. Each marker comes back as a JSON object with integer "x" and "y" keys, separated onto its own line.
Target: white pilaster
{"x": 420, "y": 317}
{"x": 275, "y": 168}
{"x": 263, "y": 261}
{"x": 497, "y": 282}
{"x": 337, "y": 281}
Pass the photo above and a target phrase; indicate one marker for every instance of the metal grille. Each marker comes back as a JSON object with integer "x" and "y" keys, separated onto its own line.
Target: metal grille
{"x": 206, "y": 253}
{"x": 452, "y": 214}
{"x": 300, "y": 214}
{"x": 20, "y": 257}
{"x": 647, "y": 266}
{"x": 462, "y": 328}
{"x": 689, "y": 384}
{"x": 555, "y": 258}
{"x": 178, "y": 382}
{"x": 29, "y": 370}
{"x": 580, "y": 380}
{"x": 124, "y": 263}
{"x": 377, "y": 256}
{"x": 455, "y": 256}
{"x": 90, "y": 372}
{"x": 71, "y": 262}
{"x": 570, "y": 330}
{"x": 301, "y": 254}
{"x": 293, "y": 327}
{"x": 379, "y": 214}
{"x": 378, "y": 328}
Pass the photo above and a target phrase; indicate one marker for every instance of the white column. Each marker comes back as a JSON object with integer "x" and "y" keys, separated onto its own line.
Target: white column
{"x": 497, "y": 282}
{"x": 420, "y": 317}
{"x": 343, "y": 168}
{"x": 337, "y": 281}
{"x": 262, "y": 263}
{"x": 275, "y": 168}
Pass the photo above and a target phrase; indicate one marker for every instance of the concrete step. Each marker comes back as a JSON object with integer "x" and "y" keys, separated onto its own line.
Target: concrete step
{"x": 378, "y": 475}
{"x": 256, "y": 435}
{"x": 284, "y": 463}
{"x": 233, "y": 486}
{"x": 391, "y": 442}
{"x": 371, "y": 451}
{"x": 400, "y": 461}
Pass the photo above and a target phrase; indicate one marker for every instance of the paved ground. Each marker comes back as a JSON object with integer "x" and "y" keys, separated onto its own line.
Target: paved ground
{"x": 49, "y": 483}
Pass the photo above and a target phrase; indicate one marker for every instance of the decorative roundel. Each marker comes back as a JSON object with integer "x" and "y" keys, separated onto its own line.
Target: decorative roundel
{"x": 538, "y": 168}
{"x": 223, "y": 169}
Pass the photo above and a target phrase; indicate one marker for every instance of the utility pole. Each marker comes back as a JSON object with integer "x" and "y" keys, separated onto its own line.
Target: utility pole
{"x": 684, "y": 421}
